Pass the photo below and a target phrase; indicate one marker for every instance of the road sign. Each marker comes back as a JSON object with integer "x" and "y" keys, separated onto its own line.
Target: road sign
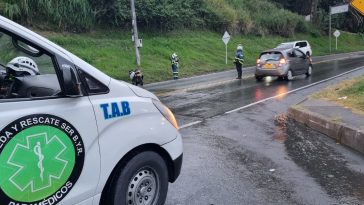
{"x": 337, "y": 33}
{"x": 336, "y": 10}
{"x": 339, "y": 9}
{"x": 358, "y": 5}
{"x": 226, "y": 38}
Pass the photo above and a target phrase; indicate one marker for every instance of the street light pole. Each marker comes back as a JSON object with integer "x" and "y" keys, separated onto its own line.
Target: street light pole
{"x": 135, "y": 32}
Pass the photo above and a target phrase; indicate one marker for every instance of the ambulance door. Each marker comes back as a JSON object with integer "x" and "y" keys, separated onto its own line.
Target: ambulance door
{"x": 49, "y": 151}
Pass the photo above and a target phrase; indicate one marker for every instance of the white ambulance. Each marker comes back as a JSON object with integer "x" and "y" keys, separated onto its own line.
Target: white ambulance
{"x": 69, "y": 134}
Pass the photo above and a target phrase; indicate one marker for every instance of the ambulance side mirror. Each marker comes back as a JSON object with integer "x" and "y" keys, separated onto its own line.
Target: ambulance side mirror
{"x": 72, "y": 85}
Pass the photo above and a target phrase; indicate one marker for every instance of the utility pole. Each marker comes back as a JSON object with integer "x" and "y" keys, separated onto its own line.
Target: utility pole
{"x": 330, "y": 30}
{"x": 135, "y": 32}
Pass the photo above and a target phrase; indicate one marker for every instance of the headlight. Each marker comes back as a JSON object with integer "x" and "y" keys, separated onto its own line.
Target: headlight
{"x": 166, "y": 112}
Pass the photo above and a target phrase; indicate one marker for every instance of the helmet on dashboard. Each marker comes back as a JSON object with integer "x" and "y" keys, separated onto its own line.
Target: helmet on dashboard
{"x": 23, "y": 66}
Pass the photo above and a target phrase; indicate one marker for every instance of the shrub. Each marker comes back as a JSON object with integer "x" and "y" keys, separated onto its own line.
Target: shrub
{"x": 219, "y": 15}
{"x": 238, "y": 16}
{"x": 72, "y": 15}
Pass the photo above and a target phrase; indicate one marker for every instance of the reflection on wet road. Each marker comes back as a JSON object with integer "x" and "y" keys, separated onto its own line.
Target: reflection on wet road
{"x": 200, "y": 104}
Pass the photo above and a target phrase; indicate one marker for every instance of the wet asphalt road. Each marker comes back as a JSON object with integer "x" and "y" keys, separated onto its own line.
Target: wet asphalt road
{"x": 199, "y": 104}
{"x": 256, "y": 156}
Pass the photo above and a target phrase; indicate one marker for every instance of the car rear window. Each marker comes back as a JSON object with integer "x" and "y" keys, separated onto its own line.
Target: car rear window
{"x": 303, "y": 44}
{"x": 285, "y": 45}
{"x": 271, "y": 56}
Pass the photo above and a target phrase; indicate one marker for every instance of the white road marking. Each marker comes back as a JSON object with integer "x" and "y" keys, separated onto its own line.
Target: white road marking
{"x": 292, "y": 91}
{"x": 190, "y": 124}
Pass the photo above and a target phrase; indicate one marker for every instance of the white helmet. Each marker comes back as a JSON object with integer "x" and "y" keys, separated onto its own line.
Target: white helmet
{"x": 23, "y": 65}
{"x": 174, "y": 55}
{"x": 240, "y": 47}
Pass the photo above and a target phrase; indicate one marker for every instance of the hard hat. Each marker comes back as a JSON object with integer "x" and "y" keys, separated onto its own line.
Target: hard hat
{"x": 240, "y": 47}
{"x": 131, "y": 74}
{"x": 23, "y": 65}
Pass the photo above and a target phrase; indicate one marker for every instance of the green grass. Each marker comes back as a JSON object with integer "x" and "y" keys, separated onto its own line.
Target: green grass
{"x": 349, "y": 93}
{"x": 200, "y": 52}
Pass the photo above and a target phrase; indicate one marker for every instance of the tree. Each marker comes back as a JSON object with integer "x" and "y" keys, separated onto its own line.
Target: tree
{"x": 314, "y": 13}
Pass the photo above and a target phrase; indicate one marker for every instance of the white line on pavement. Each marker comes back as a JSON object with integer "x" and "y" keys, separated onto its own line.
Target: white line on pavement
{"x": 190, "y": 124}
{"x": 292, "y": 91}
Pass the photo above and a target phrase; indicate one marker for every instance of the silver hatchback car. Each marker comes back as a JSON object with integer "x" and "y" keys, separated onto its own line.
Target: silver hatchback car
{"x": 284, "y": 63}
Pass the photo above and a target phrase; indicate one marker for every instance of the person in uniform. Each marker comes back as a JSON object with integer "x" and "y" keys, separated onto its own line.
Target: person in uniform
{"x": 175, "y": 65}
{"x": 239, "y": 60}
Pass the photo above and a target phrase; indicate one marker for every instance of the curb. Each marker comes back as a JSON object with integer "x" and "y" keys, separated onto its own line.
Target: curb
{"x": 342, "y": 133}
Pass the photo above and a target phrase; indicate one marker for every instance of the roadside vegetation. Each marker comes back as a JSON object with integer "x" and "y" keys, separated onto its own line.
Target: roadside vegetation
{"x": 349, "y": 93}
{"x": 237, "y": 16}
{"x": 200, "y": 52}
{"x": 99, "y": 31}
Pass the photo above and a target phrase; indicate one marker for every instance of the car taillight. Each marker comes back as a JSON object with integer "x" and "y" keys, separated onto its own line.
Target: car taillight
{"x": 282, "y": 62}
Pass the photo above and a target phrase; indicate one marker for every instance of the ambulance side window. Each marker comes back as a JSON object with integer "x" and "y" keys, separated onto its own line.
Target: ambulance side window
{"x": 92, "y": 86}
{"x": 26, "y": 72}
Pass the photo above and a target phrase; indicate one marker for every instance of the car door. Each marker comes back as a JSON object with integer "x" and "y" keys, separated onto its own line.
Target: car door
{"x": 293, "y": 61}
{"x": 301, "y": 62}
{"x": 303, "y": 47}
{"x": 49, "y": 151}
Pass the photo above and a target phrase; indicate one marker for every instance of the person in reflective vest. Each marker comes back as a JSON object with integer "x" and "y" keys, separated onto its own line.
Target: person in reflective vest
{"x": 239, "y": 60}
{"x": 175, "y": 65}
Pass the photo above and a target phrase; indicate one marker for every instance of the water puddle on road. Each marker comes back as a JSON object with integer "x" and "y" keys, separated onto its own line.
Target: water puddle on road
{"x": 318, "y": 156}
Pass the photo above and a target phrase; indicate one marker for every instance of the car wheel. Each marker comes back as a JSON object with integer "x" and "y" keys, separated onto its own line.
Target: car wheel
{"x": 289, "y": 75}
{"x": 309, "y": 71}
{"x": 259, "y": 78}
{"x": 144, "y": 180}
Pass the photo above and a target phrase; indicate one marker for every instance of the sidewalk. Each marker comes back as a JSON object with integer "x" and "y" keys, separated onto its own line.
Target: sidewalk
{"x": 337, "y": 122}
{"x": 212, "y": 79}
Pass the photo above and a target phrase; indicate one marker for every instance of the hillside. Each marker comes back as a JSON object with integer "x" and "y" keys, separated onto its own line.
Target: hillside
{"x": 99, "y": 31}
{"x": 200, "y": 51}
{"x": 237, "y": 16}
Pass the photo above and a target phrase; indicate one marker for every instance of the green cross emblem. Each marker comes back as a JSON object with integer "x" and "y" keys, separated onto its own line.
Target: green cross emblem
{"x": 36, "y": 163}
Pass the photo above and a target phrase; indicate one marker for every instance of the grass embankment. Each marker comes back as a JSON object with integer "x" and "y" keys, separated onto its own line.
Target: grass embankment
{"x": 199, "y": 52}
{"x": 349, "y": 93}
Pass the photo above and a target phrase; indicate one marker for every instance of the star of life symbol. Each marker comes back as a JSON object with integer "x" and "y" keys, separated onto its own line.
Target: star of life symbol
{"x": 38, "y": 152}
{"x": 20, "y": 158}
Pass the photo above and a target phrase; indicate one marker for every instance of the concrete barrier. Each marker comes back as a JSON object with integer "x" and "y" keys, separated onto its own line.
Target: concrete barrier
{"x": 341, "y": 132}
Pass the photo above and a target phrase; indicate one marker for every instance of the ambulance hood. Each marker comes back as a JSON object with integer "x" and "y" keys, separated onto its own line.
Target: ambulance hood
{"x": 141, "y": 92}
